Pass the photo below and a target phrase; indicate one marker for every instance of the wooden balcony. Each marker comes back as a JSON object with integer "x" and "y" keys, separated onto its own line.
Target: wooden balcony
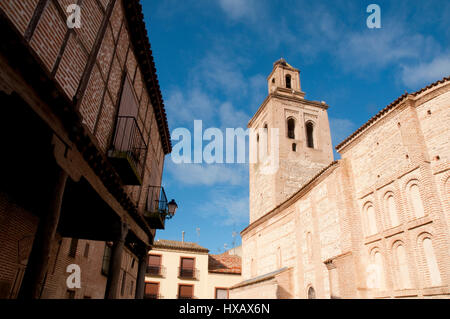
{"x": 128, "y": 149}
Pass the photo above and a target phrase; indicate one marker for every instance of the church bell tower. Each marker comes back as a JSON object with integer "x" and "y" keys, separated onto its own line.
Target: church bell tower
{"x": 291, "y": 131}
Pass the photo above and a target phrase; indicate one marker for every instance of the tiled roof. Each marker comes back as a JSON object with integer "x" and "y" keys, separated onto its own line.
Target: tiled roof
{"x": 261, "y": 278}
{"x": 225, "y": 263}
{"x": 276, "y": 209}
{"x": 388, "y": 108}
{"x": 144, "y": 55}
{"x": 179, "y": 245}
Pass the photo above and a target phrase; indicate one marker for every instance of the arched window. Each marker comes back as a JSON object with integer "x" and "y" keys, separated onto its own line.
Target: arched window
{"x": 392, "y": 210}
{"x": 253, "y": 267}
{"x": 403, "y": 278}
{"x": 257, "y": 148}
{"x": 266, "y": 139}
{"x": 370, "y": 219}
{"x": 309, "y": 246}
{"x": 291, "y": 128}
{"x": 288, "y": 81}
{"x": 279, "y": 260}
{"x": 310, "y": 134}
{"x": 311, "y": 293}
{"x": 416, "y": 201}
{"x": 379, "y": 270}
{"x": 432, "y": 265}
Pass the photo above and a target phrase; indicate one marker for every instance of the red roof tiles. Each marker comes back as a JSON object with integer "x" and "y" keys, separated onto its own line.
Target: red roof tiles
{"x": 225, "y": 263}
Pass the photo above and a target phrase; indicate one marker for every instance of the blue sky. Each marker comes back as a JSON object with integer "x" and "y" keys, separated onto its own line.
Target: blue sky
{"x": 213, "y": 57}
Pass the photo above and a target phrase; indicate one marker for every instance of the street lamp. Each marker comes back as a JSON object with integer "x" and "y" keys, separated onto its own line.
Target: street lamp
{"x": 172, "y": 207}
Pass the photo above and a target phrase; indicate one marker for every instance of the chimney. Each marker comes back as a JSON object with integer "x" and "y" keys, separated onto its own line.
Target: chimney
{"x": 182, "y": 236}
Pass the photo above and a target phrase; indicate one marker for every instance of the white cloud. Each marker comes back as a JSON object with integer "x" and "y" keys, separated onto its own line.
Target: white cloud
{"x": 208, "y": 174}
{"x": 341, "y": 129}
{"x": 230, "y": 117}
{"x": 424, "y": 73}
{"x": 227, "y": 209}
{"x": 186, "y": 107}
{"x": 372, "y": 49}
{"x": 220, "y": 72}
{"x": 238, "y": 9}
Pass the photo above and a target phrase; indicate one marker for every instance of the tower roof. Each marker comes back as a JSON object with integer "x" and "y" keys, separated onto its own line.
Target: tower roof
{"x": 284, "y": 63}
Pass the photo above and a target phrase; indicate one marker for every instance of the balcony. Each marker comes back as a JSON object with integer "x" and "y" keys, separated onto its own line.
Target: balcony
{"x": 156, "y": 271}
{"x": 186, "y": 273}
{"x": 156, "y": 208}
{"x": 127, "y": 152}
{"x": 153, "y": 296}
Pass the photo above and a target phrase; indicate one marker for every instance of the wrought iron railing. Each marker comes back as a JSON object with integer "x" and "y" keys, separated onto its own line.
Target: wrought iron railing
{"x": 128, "y": 143}
{"x": 188, "y": 273}
{"x": 157, "y": 200}
{"x": 158, "y": 271}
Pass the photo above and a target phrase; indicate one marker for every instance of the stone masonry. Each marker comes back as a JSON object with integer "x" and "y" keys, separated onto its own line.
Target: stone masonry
{"x": 374, "y": 224}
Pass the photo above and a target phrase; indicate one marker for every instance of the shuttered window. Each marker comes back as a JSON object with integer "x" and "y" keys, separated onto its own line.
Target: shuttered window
{"x": 154, "y": 265}
{"x": 73, "y": 247}
{"x": 128, "y": 102}
{"x": 151, "y": 290}
{"x": 106, "y": 259}
{"x": 221, "y": 293}
{"x": 154, "y": 260}
{"x": 187, "y": 267}
{"x": 185, "y": 292}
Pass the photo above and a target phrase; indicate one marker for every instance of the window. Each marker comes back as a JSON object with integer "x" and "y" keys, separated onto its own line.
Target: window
{"x": 131, "y": 287}
{"x": 432, "y": 265}
{"x": 310, "y": 134}
{"x": 288, "y": 81}
{"x": 294, "y": 147}
{"x": 392, "y": 210}
{"x": 124, "y": 278}
{"x": 73, "y": 247}
{"x": 86, "y": 250}
{"x": 185, "y": 292}
{"x": 291, "y": 128}
{"x": 370, "y": 220}
{"x": 106, "y": 259}
{"x": 70, "y": 294}
{"x": 311, "y": 293}
{"x": 128, "y": 144}
{"x": 279, "y": 260}
{"x": 265, "y": 150}
{"x": 416, "y": 201}
{"x": 151, "y": 290}
{"x": 154, "y": 265}
{"x": 379, "y": 271}
{"x": 253, "y": 267}
{"x": 309, "y": 246}
{"x": 221, "y": 293}
{"x": 187, "y": 267}
{"x": 403, "y": 277}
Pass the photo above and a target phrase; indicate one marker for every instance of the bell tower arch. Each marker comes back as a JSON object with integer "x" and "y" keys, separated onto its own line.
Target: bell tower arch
{"x": 302, "y": 145}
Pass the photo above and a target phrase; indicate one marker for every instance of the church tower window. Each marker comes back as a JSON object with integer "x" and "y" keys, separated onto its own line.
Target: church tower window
{"x": 291, "y": 128}
{"x": 310, "y": 134}
{"x": 288, "y": 81}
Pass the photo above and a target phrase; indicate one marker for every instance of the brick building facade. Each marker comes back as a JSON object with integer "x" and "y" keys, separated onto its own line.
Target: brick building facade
{"x": 374, "y": 224}
{"x": 84, "y": 134}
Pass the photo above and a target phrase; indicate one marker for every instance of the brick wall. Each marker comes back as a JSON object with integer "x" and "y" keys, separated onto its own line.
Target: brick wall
{"x": 327, "y": 220}
{"x": 93, "y": 80}
{"x": 17, "y": 229}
